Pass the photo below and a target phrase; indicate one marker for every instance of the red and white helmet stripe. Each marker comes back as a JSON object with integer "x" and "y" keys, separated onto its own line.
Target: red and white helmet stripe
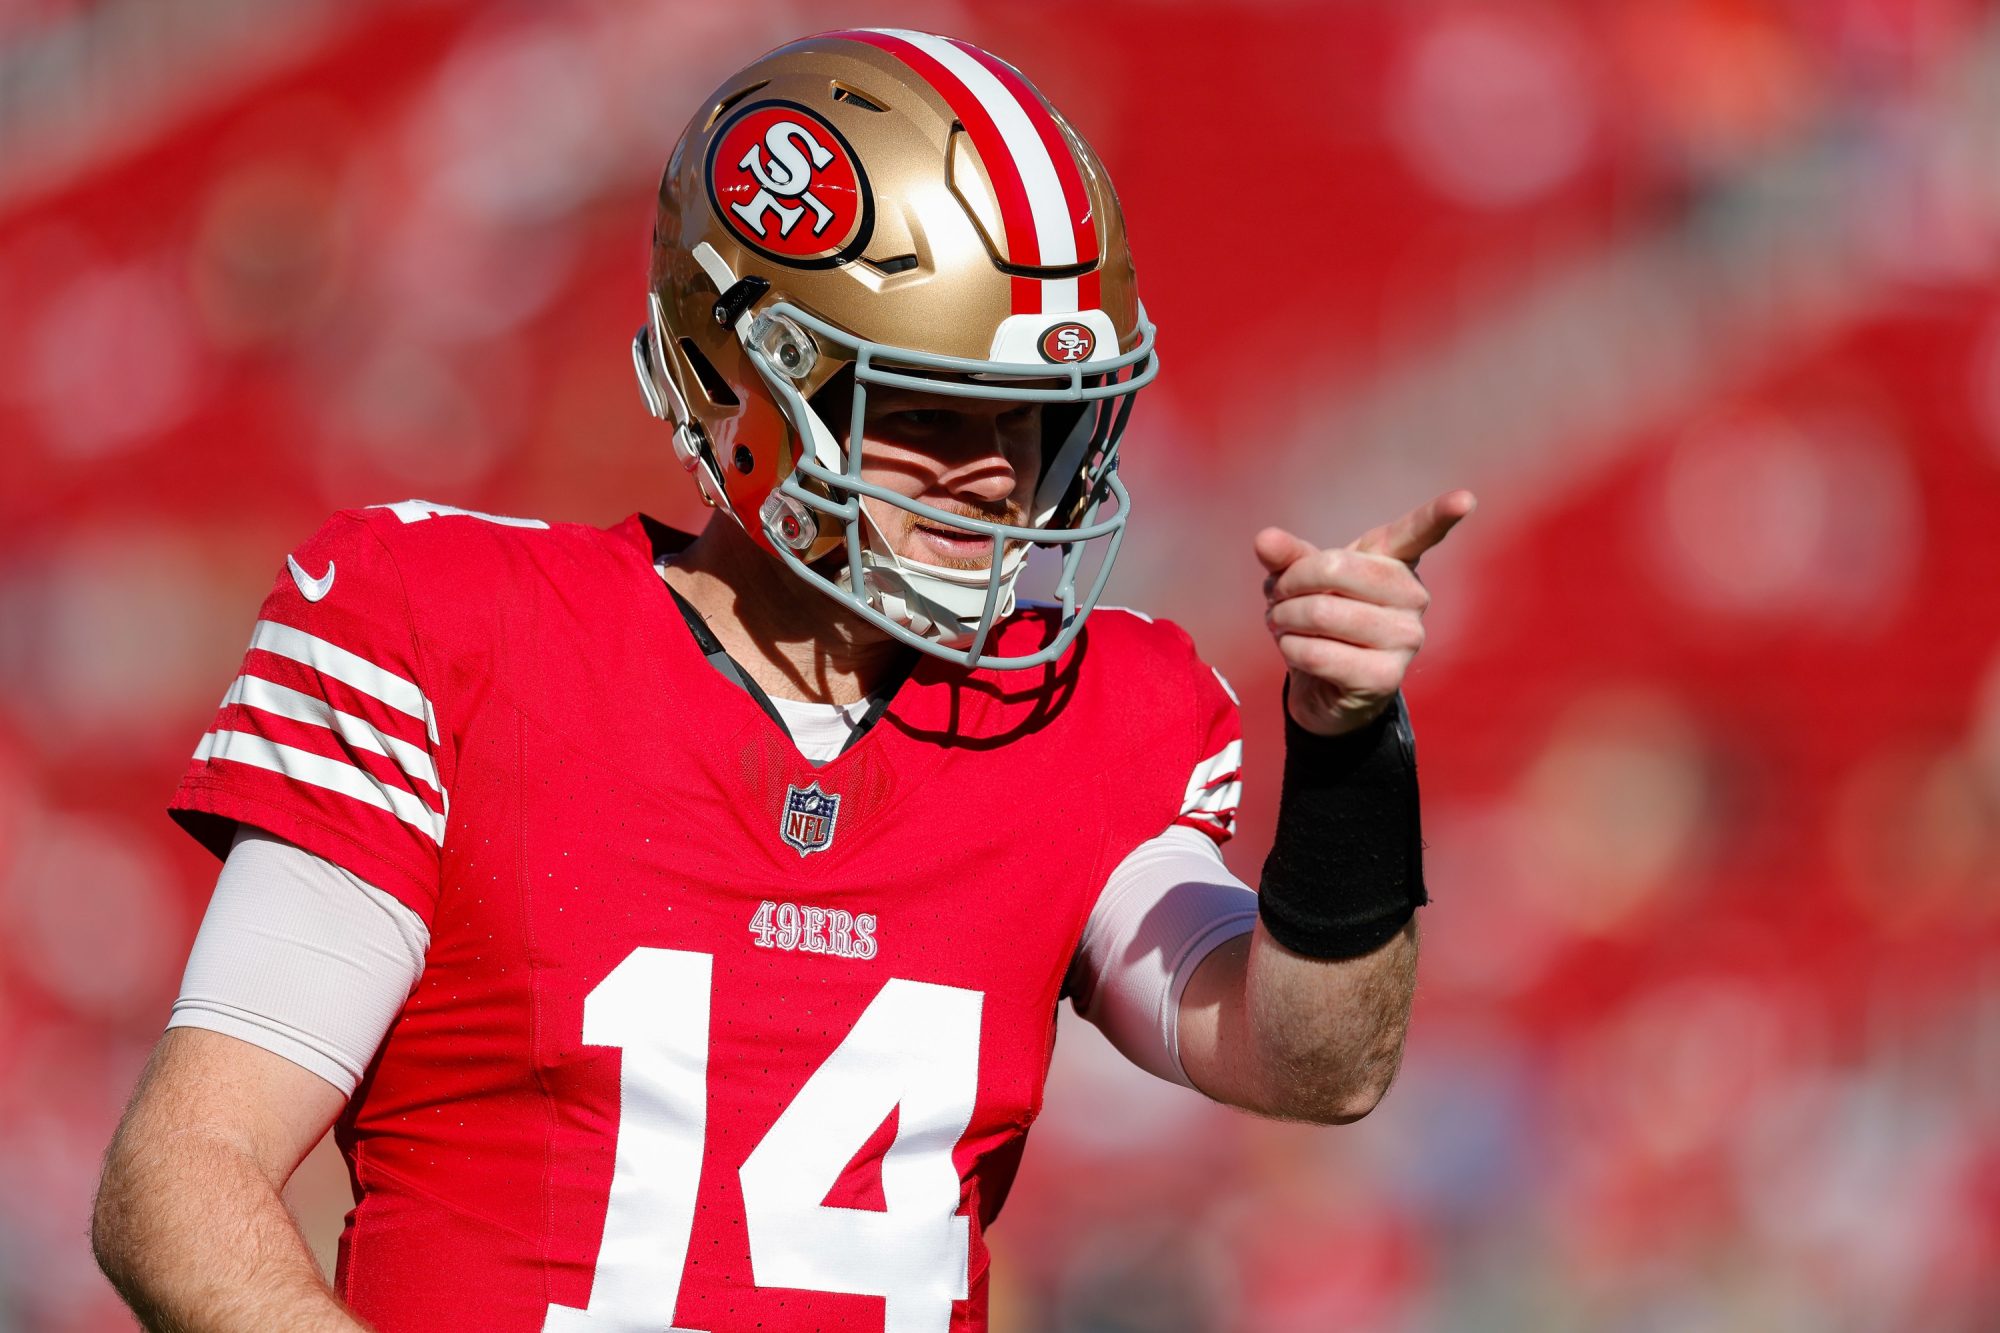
{"x": 1043, "y": 204}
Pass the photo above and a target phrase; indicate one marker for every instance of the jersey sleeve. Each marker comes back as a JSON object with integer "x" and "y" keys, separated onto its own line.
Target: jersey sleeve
{"x": 1215, "y": 782}
{"x": 328, "y": 737}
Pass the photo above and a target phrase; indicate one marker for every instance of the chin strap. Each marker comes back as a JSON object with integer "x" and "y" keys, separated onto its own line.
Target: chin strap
{"x": 946, "y": 604}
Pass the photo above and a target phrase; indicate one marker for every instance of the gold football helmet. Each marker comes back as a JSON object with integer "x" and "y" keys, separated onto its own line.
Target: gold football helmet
{"x": 893, "y": 208}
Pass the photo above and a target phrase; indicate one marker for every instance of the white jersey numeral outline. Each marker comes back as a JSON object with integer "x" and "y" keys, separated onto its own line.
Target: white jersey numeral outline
{"x": 914, "y": 1051}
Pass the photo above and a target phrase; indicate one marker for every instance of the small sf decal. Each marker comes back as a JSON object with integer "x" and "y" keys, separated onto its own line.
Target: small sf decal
{"x": 807, "y": 824}
{"x": 1068, "y": 342}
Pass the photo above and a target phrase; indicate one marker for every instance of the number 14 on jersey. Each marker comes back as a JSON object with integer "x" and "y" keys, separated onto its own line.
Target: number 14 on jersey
{"x": 914, "y": 1050}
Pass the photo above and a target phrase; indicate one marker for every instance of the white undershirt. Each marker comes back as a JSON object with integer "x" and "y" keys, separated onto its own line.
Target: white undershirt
{"x": 820, "y": 731}
{"x": 300, "y": 957}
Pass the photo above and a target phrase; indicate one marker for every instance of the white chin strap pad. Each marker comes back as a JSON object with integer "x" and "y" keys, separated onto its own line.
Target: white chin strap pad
{"x": 940, "y": 604}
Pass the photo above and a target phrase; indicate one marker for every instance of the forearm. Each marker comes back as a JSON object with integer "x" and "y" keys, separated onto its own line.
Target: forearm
{"x": 1321, "y": 1002}
{"x": 198, "y": 1240}
{"x": 1329, "y": 1032}
{"x": 1302, "y": 1038}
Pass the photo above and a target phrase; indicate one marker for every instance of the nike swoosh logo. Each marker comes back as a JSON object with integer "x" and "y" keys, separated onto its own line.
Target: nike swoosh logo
{"x": 310, "y": 588}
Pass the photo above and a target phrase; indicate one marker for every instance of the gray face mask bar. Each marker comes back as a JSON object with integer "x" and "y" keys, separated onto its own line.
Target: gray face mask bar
{"x": 1097, "y": 384}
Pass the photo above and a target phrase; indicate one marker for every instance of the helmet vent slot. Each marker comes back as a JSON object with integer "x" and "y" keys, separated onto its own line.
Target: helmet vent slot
{"x": 1061, "y": 271}
{"x": 890, "y": 267}
{"x": 713, "y": 385}
{"x": 843, "y": 93}
{"x": 731, "y": 101}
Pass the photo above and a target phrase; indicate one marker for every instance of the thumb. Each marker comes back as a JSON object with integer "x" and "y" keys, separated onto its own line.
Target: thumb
{"x": 1278, "y": 550}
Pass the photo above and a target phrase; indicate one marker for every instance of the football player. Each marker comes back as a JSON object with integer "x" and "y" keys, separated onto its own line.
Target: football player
{"x": 672, "y": 928}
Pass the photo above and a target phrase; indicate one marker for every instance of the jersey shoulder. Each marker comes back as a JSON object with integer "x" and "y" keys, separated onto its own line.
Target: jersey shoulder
{"x": 381, "y": 634}
{"x": 1198, "y": 739}
{"x": 1113, "y": 638}
{"x": 456, "y": 570}
{"x": 447, "y": 542}
{"x": 1131, "y": 673}
{"x": 1134, "y": 645}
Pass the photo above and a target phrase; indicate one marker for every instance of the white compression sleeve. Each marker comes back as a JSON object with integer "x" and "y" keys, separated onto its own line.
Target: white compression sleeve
{"x": 1163, "y": 910}
{"x": 301, "y": 958}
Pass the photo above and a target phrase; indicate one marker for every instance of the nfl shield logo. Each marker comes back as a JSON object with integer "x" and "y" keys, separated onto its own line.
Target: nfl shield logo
{"x": 809, "y": 818}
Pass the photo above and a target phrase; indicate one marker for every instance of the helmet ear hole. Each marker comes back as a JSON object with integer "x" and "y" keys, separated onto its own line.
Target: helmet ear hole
{"x": 715, "y": 388}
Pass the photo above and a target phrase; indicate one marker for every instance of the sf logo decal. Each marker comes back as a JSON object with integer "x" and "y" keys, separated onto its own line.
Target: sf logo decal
{"x": 786, "y": 172}
{"x": 1068, "y": 342}
{"x": 787, "y": 185}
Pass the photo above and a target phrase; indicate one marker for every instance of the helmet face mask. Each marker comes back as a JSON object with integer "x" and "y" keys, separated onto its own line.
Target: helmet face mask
{"x": 778, "y": 267}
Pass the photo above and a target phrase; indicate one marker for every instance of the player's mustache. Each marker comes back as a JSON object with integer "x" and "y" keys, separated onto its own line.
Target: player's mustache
{"x": 1010, "y": 513}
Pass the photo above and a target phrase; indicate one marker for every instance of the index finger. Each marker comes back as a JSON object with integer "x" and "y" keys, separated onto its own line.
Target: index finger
{"x": 1407, "y": 538}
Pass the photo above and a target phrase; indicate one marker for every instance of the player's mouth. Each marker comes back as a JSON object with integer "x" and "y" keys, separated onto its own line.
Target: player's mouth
{"x": 952, "y": 543}
{"x": 952, "y": 547}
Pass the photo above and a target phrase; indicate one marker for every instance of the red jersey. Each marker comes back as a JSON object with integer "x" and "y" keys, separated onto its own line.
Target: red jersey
{"x": 707, "y": 1037}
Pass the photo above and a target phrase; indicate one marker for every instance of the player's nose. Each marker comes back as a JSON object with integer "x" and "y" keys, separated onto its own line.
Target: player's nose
{"x": 985, "y": 470}
{"x": 987, "y": 481}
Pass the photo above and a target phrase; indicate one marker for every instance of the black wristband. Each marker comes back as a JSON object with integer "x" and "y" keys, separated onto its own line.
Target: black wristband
{"x": 1346, "y": 869}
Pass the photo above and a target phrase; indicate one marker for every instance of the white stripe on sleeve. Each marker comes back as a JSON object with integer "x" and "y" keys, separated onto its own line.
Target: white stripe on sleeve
{"x": 317, "y": 770}
{"x": 351, "y": 669}
{"x": 270, "y": 697}
{"x": 1210, "y": 771}
{"x": 1215, "y": 788}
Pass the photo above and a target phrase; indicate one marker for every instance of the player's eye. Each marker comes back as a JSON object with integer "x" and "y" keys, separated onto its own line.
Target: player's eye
{"x": 920, "y": 420}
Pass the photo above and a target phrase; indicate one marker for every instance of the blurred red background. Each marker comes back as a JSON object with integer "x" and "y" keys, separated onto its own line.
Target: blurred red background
{"x": 1702, "y": 296}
